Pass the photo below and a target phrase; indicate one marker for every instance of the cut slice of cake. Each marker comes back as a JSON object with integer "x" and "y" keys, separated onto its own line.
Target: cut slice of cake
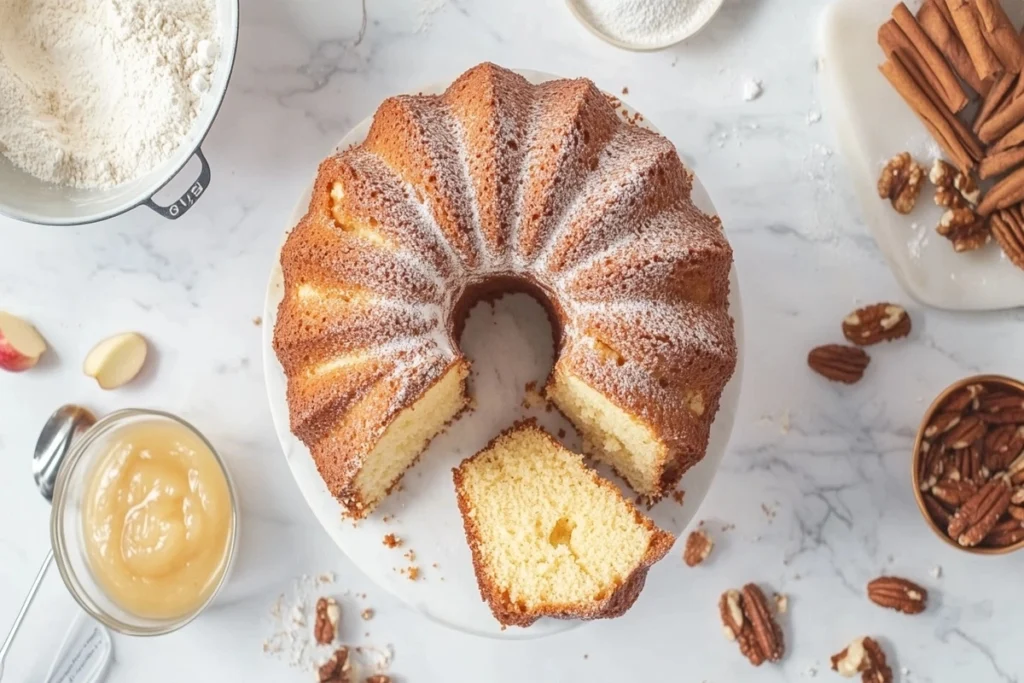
{"x": 549, "y": 536}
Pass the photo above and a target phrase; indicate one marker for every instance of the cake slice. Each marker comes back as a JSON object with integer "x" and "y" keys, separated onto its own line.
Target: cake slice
{"x": 549, "y": 537}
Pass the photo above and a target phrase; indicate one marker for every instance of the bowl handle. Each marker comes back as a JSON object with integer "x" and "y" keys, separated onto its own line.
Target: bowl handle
{"x": 191, "y": 196}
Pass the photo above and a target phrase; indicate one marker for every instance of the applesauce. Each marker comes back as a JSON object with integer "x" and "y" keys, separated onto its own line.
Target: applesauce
{"x": 157, "y": 516}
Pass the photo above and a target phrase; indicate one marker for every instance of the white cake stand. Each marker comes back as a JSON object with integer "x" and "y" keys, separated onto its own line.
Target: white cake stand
{"x": 510, "y": 345}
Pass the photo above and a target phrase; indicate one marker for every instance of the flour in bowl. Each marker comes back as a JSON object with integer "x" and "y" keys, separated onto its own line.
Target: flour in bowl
{"x": 96, "y": 93}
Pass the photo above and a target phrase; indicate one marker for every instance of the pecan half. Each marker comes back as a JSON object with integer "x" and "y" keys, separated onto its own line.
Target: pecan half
{"x": 1002, "y": 446}
{"x": 898, "y": 594}
{"x": 839, "y": 363}
{"x": 1008, "y": 229}
{"x": 337, "y": 669}
{"x": 964, "y": 228}
{"x": 967, "y": 462}
{"x": 1001, "y": 400}
{"x": 977, "y": 517}
{"x": 863, "y": 656}
{"x": 963, "y": 398}
{"x": 942, "y": 423}
{"x": 939, "y": 514}
{"x": 876, "y": 323}
{"x": 747, "y": 619}
{"x": 698, "y": 547}
{"x": 1005, "y": 416}
{"x": 325, "y": 629}
{"x": 901, "y": 181}
{"x": 967, "y": 430}
{"x": 378, "y": 678}
{"x": 1006, "y": 533}
{"x": 954, "y": 493}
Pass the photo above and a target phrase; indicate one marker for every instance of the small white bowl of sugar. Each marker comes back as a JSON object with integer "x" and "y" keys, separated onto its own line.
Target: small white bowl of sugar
{"x": 644, "y": 25}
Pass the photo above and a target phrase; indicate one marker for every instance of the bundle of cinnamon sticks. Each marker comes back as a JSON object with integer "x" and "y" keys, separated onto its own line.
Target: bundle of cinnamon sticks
{"x": 952, "y": 53}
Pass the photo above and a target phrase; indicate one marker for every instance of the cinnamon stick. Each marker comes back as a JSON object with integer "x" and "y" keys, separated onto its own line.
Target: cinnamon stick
{"x": 1006, "y": 193}
{"x": 896, "y": 72}
{"x": 1000, "y": 34}
{"x": 946, "y": 14}
{"x": 899, "y": 48}
{"x": 968, "y": 25}
{"x": 933, "y": 22}
{"x": 1002, "y": 121}
{"x": 1011, "y": 139}
{"x": 994, "y": 100}
{"x": 1001, "y": 162}
{"x": 933, "y": 64}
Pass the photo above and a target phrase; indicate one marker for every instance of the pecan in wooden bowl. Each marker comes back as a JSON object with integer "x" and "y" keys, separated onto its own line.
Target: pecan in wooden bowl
{"x": 969, "y": 465}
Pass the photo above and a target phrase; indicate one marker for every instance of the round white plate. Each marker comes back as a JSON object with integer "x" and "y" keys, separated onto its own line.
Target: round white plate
{"x": 509, "y": 345}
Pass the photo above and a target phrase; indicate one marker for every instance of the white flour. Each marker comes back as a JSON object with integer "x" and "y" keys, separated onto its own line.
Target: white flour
{"x": 95, "y": 93}
{"x": 646, "y": 22}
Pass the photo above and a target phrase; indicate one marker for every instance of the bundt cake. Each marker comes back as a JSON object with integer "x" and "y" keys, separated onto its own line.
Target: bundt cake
{"x": 497, "y": 186}
{"x": 549, "y": 537}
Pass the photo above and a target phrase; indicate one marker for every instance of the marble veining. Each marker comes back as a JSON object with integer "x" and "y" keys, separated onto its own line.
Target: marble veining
{"x": 813, "y": 498}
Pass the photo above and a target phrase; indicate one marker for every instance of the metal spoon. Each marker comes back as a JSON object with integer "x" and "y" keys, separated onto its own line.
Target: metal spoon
{"x": 63, "y": 427}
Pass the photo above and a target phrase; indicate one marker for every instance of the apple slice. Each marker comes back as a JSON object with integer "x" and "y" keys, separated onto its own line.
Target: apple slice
{"x": 117, "y": 360}
{"x": 20, "y": 344}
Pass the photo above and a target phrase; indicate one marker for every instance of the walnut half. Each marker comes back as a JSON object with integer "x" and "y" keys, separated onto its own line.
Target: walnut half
{"x": 901, "y": 182}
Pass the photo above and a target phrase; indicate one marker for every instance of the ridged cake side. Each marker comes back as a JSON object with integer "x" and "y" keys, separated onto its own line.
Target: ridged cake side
{"x": 500, "y": 182}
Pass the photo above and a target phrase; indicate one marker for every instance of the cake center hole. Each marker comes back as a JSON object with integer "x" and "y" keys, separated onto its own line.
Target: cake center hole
{"x": 509, "y": 342}
{"x": 561, "y": 533}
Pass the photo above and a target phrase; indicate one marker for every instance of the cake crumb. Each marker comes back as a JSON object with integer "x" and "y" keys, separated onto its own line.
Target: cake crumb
{"x": 678, "y": 496}
{"x": 414, "y": 573}
{"x": 561, "y": 433}
{"x": 387, "y": 519}
{"x": 625, "y": 90}
{"x": 781, "y": 603}
{"x": 392, "y": 541}
{"x": 410, "y": 555}
{"x": 728, "y": 527}
{"x": 752, "y": 89}
{"x": 367, "y": 614}
{"x": 533, "y": 398}
{"x": 257, "y": 321}
{"x": 434, "y": 565}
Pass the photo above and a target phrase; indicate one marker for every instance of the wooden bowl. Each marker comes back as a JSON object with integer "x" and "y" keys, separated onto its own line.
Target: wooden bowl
{"x": 988, "y": 382}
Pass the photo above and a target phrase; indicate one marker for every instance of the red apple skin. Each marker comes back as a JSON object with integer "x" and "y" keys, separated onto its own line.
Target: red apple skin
{"x": 13, "y": 360}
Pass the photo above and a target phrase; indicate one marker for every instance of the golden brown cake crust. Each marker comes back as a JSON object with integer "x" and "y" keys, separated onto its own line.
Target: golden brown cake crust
{"x": 500, "y": 185}
{"x": 507, "y": 612}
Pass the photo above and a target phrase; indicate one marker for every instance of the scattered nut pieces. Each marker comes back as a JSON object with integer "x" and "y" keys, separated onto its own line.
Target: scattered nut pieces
{"x": 863, "y": 656}
{"x": 876, "y": 323}
{"x": 781, "y": 603}
{"x": 20, "y": 344}
{"x": 898, "y": 594}
{"x": 901, "y": 181}
{"x": 117, "y": 360}
{"x": 698, "y": 547}
{"x": 392, "y": 541}
{"x": 954, "y": 189}
{"x": 747, "y": 619}
{"x": 964, "y": 228}
{"x": 838, "y": 362}
{"x": 337, "y": 669}
{"x": 328, "y": 614}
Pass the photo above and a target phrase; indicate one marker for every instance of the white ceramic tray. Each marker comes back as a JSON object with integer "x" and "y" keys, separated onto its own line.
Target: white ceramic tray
{"x": 509, "y": 345}
{"x": 872, "y": 124}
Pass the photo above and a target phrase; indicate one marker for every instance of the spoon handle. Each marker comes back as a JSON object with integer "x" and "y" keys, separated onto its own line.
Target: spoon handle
{"x": 24, "y": 607}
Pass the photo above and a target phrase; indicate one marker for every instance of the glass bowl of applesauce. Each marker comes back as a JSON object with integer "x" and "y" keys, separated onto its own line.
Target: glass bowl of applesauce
{"x": 144, "y": 523}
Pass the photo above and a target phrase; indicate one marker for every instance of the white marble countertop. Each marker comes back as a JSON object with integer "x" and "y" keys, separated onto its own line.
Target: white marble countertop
{"x": 816, "y": 481}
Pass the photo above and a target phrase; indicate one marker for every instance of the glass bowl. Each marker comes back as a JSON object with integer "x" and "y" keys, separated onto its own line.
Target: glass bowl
{"x": 67, "y": 533}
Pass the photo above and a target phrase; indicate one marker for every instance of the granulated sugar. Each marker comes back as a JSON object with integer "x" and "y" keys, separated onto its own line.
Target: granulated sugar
{"x": 647, "y": 22}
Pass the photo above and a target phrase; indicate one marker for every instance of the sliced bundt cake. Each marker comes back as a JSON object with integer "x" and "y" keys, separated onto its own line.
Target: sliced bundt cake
{"x": 549, "y": 536}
